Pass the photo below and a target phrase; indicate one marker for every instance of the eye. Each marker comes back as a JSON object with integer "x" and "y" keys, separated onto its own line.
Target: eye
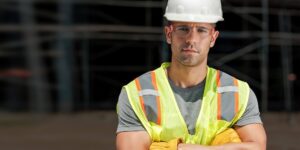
{"x": 183, "y": 29}
{"x": 202, "y": 30}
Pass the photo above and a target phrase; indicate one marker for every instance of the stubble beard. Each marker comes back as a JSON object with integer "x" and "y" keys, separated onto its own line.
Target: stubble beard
{"x": 189, "y": 60}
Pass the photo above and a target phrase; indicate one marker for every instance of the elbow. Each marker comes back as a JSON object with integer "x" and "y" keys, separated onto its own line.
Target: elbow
{"x": 263, "y": 144}
{"x": 259, "y": 145}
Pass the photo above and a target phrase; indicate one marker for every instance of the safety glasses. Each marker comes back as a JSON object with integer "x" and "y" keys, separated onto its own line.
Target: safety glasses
{"x": 184, "y": 30}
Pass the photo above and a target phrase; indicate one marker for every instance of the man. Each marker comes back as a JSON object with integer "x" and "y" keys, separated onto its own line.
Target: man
{"x": 185, "y": 104}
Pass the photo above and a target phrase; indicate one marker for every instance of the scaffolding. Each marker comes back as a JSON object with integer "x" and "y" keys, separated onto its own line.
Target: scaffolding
{"x": 59, "y": 40}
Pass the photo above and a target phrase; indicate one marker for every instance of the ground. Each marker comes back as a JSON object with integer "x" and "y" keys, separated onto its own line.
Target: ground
{"x": 96, "y": 130}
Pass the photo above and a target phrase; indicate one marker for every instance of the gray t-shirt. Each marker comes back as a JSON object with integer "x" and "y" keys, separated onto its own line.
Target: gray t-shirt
{"x": 189, "y": 102}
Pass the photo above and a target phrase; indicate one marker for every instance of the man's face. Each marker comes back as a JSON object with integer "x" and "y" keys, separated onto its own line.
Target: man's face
{"x": 190, "y": 42}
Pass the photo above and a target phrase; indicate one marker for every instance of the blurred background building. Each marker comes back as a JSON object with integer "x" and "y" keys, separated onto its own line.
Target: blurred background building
{"x": 75, "y": 55}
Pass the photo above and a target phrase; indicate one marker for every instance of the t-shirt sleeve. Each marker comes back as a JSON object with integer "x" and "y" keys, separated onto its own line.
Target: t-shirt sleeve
{"x": 128, "y": 121}
{"x": 251, "y": 114}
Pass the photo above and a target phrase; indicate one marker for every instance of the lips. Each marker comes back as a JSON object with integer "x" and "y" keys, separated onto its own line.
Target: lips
{"x": 189, "y": 50}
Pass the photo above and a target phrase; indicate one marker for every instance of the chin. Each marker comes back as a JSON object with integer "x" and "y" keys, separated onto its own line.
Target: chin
{"x": 189, "y": 63}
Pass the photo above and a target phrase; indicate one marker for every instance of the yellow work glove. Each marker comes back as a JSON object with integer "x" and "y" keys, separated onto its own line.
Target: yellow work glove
{"x": 170, "y": 145}
{"x": 227, "y": 136}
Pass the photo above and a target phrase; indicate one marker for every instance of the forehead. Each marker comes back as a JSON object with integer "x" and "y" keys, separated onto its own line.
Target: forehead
{"x": 196, "y": 24}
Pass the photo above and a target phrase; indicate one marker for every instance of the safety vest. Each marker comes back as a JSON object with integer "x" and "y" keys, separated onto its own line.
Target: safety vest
{"x": 152, "y": 99}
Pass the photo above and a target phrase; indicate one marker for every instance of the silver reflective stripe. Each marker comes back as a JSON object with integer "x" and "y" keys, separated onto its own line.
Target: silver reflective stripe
{"x": 227, "y": 89}
{"x": 148, "y": 92}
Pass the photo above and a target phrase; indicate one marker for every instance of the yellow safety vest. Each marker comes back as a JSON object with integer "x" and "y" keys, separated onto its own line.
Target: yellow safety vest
{"x": 152, "y": 99}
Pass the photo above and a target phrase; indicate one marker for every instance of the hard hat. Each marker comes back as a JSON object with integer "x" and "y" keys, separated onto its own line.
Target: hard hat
{"x": 208, "y": 11}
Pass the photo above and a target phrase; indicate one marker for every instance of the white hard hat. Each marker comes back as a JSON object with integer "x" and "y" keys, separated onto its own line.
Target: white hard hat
{"x": 208, "y": 11}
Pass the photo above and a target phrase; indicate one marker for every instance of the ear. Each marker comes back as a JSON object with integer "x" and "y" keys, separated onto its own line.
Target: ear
{"x": 214, "y": 38}
{"x": 168, "y": 34}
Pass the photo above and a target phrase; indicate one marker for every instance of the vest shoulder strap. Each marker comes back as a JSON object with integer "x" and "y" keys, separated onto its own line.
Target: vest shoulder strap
{"x": 228, "y": 96}
{"x": 149, "y": 96}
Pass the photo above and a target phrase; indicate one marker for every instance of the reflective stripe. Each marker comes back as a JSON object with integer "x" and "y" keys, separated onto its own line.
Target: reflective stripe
{"x": 228, "y": 101}
{"x": 219, "y": 96}
{"x": 236, "y": 96}
{"x": 153, "y": 78}
{"x": 148, "y": 92}
{"x": 227, "y": 89}
{"x": 149, "y": 97}
{"x": 138, "y": 86}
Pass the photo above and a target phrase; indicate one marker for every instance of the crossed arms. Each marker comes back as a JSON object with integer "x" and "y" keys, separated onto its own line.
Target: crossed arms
{"x": 253, "y": 137}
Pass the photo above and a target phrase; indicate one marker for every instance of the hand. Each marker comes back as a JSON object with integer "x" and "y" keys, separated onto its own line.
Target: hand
{"x": 183, "y": 146}
{"x": 227, "y": 136}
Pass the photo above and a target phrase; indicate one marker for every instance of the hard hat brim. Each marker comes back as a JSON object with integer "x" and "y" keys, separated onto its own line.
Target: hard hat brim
{"x": 193, "y": 18}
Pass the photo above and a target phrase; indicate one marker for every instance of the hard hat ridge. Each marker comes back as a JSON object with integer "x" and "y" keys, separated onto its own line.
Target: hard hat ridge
{"x": 209, "y": 11}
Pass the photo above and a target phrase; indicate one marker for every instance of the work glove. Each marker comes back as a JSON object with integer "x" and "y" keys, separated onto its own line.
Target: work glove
{"x": 170, "y": 145}
{"x": 227, "y": 136}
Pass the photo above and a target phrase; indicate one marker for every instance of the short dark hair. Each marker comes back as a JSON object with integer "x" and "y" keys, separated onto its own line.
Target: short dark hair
{"x": 168, "y": 23}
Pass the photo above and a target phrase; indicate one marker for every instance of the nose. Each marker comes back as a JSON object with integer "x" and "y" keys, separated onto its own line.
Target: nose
{"x": 192, "y": 37}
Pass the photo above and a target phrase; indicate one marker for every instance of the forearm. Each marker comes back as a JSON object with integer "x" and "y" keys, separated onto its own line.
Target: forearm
{"x": 135, "y": 140}
{"x": 230, "y": 146}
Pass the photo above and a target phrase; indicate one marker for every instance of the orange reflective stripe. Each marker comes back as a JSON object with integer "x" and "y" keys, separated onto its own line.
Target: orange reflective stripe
{"x": 219, "y": 96}
{"x": 236, "y": 96}
{"x": 153, "y": 79}
{"x": 219, "y": 107}
{"x": 138, "y": 86}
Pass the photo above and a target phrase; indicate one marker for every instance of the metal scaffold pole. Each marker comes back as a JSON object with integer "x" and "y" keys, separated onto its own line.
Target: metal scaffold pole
{"x": 286, "y": 60}
{"x": 164, "y": 52}
{"x": 265, "y": 55}
{"x": 64, "y": 62}
{"x": 38, "y": 94}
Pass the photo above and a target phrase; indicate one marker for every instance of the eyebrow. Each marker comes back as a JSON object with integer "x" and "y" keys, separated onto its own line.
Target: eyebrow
{"x": 198, "y": 27}
{"x": 201, "y": 27}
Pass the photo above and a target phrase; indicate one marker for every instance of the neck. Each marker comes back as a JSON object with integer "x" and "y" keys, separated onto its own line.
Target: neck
{"x": 184, "y": 76}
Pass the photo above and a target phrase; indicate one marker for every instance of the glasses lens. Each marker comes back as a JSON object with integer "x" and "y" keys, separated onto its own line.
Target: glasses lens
{"x": 184, "y": 30}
